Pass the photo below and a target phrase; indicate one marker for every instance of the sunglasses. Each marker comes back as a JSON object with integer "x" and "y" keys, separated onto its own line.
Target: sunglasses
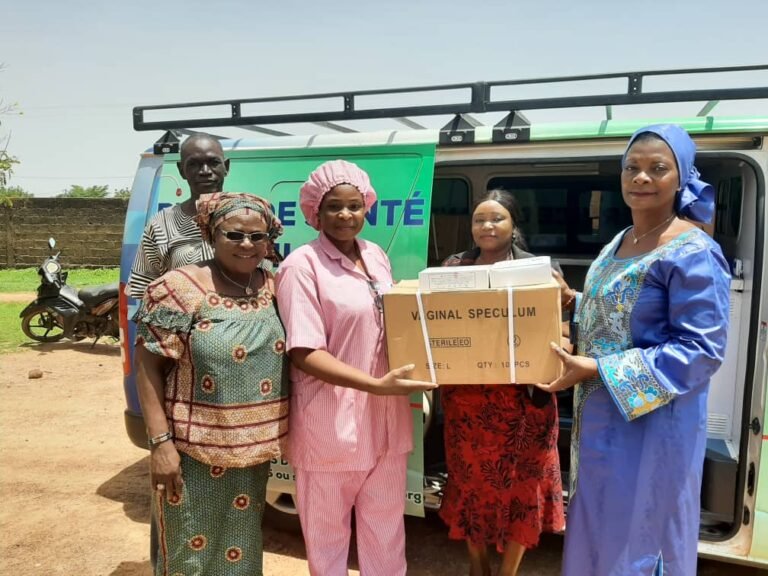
{"x": 236, "y": 236}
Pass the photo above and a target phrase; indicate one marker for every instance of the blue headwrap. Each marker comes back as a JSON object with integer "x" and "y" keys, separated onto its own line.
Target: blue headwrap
{"x": 696, "y": 199}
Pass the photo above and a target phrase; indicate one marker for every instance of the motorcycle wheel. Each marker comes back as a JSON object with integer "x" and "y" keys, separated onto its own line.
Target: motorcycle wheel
{"x": 43, "y": 326}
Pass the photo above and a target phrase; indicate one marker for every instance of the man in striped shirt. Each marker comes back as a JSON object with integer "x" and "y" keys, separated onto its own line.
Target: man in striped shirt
{"x": 172, "y": 238}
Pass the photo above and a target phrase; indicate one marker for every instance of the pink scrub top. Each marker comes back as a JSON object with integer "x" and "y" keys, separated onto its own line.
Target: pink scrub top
{"x": 327, "y": 304}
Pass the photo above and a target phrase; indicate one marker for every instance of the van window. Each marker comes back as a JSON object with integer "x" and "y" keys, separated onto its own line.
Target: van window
{"x": 450, "y": 196}
{"x": 548, "y": 205}
{"x": 449, "y": 231}
{"x": 728, "y": 207}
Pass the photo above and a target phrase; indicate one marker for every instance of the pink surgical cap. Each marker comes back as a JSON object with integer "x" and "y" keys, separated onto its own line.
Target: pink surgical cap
{"x": 324, "y": 178}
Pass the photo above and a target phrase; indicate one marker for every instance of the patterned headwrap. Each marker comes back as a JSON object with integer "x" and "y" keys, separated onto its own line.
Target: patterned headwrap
{"x": 213, "y": 209}
{"x": 695, "y": 199}
{"x": 324, "y": 178}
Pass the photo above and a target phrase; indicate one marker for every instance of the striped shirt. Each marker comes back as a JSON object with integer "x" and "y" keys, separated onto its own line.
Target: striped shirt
{"x": 171, "y": 240}
{"x": 328, "y": 304}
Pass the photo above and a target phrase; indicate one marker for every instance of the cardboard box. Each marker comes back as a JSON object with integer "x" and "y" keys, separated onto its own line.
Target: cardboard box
{"x": 468, "y": 333}
{"x": 523, "y": 272}
{"x": 454, "y": 278}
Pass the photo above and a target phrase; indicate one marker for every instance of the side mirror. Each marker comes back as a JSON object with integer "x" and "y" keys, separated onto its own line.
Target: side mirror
{"x": 51, "y": 243}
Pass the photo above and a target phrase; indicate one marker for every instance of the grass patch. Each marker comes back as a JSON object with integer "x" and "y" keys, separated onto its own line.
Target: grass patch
{"x": 11, "y": 336}
{"x": 27, "y": 280}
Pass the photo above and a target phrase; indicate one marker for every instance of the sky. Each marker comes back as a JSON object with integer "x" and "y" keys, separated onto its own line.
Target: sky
{"x": 76, "y": 68}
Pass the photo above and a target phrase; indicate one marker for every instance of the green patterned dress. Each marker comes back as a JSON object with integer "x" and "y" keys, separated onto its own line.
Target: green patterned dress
{"x": 226, "y": 398}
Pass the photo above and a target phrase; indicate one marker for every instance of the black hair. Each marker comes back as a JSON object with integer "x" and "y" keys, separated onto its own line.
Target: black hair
{"x": 509, "y": 203}
{"x": 196, "y": 137}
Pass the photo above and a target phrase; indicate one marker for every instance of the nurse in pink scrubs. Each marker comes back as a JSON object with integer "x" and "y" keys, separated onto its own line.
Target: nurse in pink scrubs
{"x": 350, "y": 423}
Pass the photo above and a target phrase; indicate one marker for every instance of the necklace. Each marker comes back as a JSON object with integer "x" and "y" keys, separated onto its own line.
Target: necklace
{"x": 636, "y": 239}
{"x": 244, "y": 287}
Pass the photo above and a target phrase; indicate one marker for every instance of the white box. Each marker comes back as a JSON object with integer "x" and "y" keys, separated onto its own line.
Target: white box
{"x": 447, "y": 278}
{"x": 523, "y": 272}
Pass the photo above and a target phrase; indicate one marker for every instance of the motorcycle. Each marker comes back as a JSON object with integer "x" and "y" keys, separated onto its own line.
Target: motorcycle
{"x": 61, "y": 311}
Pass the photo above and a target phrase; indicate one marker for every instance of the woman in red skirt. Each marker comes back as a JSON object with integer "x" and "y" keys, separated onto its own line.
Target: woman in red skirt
{"x": 504, "y": 486}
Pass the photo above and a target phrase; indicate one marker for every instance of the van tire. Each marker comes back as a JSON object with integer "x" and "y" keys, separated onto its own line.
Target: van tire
{"x": 280, "y": 512}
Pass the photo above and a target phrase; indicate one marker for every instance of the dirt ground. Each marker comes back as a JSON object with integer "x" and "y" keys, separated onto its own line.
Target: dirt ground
{"x": 17, "y": 297}
{"x": 75, "y": 491}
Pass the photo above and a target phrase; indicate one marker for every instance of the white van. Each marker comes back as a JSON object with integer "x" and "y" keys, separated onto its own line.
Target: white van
{"x": 566, "y": 179}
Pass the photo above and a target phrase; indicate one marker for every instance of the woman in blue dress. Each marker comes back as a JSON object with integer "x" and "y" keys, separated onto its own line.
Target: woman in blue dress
{"x": 652, "y": 330}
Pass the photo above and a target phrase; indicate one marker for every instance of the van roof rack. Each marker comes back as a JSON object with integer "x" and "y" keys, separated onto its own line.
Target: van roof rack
{"x": 327, "y": 108}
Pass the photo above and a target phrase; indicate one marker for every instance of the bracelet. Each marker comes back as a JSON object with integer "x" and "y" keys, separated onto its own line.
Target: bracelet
{"x": 160, "y": 438}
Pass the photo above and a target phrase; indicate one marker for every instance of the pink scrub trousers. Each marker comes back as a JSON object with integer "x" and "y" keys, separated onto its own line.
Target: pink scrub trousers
{"x": 325, "y": 501}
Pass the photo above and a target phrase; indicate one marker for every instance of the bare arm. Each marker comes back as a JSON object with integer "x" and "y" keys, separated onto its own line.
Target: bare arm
{"x": 322, "y": 365}
{"x": 165, "y": 466}
{"x": 150, "y": 383}
{"x": 567, "y": 294}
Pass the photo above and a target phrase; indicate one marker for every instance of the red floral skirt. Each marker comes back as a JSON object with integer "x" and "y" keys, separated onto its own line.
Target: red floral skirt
{"x": 503, "y": 468}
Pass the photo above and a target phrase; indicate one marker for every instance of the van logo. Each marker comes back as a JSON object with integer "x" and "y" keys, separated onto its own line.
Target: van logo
{"x": 457, "y": 138}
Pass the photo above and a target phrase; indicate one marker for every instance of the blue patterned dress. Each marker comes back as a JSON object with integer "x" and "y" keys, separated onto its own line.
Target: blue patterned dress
{"x": 656, "y": 323}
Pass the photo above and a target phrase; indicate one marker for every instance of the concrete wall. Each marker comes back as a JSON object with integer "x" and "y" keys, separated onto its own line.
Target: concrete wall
{"x": 88, "y": 231}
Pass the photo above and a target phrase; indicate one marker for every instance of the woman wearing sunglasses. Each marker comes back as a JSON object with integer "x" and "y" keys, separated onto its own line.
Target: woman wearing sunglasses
{"x": 351, "y": 422}
{"x": 210, "y": 353}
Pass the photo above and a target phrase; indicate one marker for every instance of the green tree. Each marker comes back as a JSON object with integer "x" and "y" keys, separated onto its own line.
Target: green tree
{"x": 6, "y": 160}
{"x": 122, "y": 193}
{"x": 76, "y": 191}
{"x": 14, "y": 192}
{"x": 10, "y": 193}
{"x": 6, "y": 166}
